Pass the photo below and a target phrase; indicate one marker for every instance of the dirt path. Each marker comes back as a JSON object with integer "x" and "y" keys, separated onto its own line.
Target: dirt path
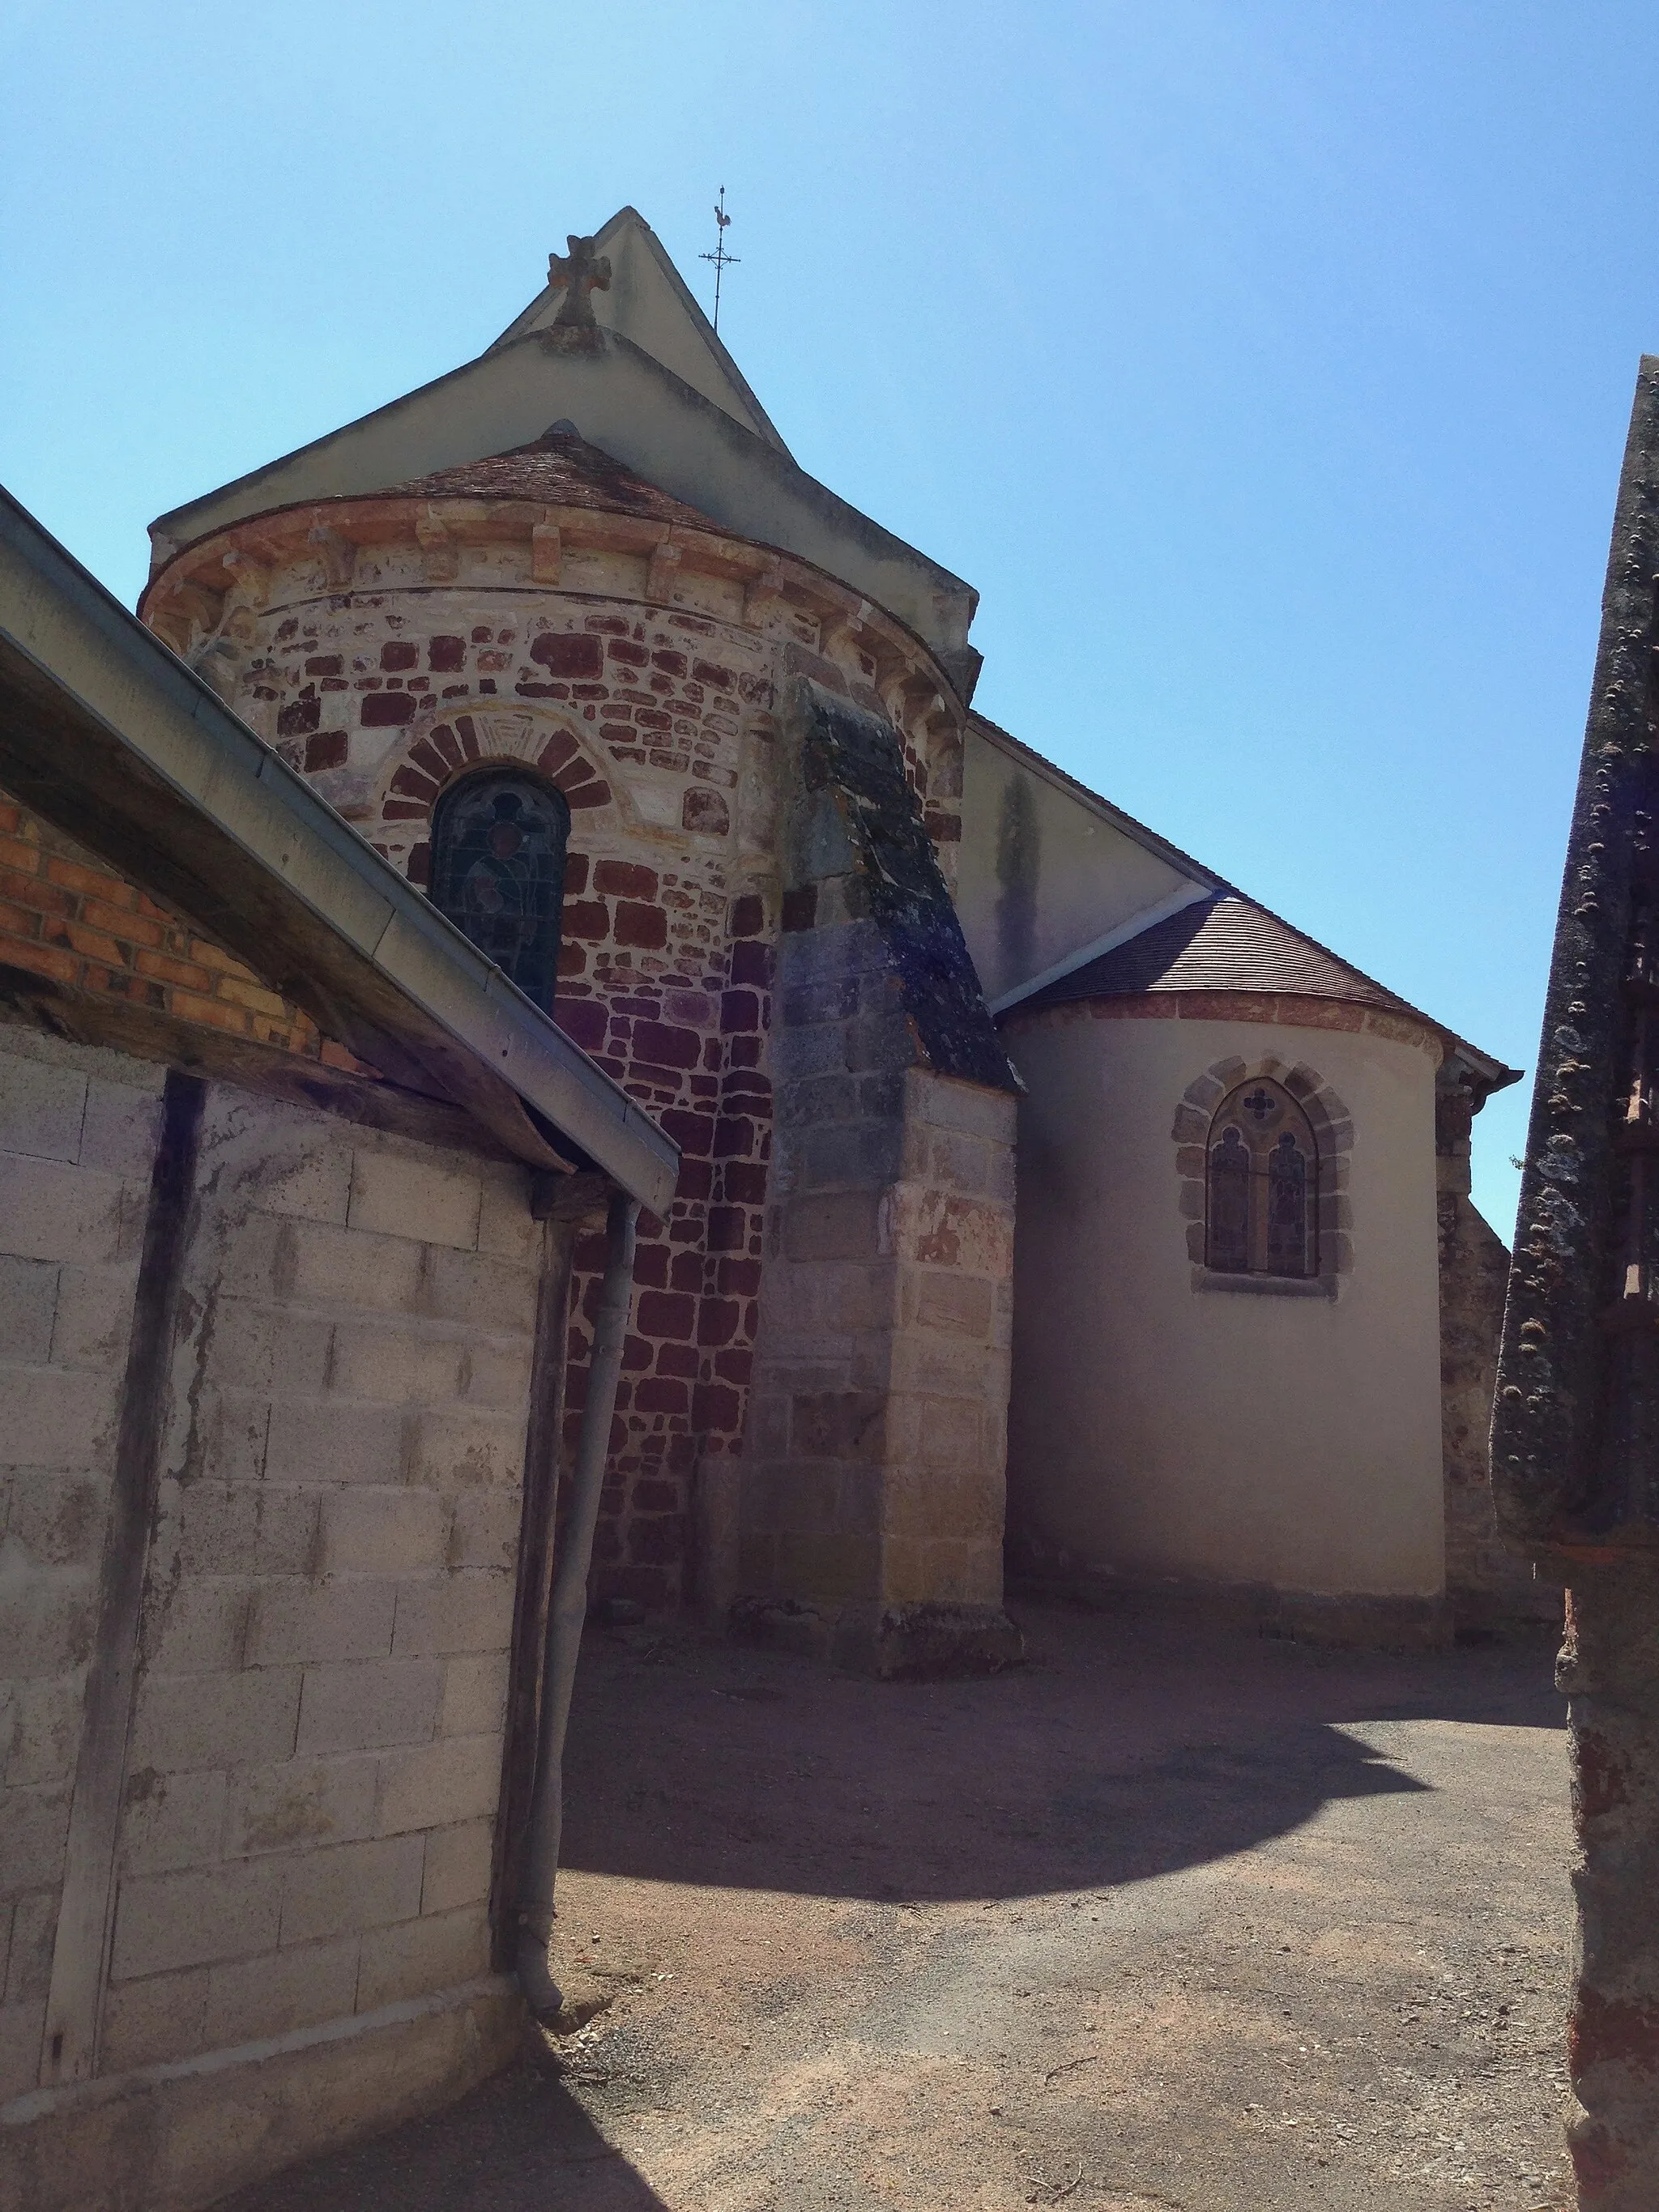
{"x": 1161, "y": 1920}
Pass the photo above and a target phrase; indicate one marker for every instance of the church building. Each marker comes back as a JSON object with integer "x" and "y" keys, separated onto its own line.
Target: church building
{"x": 552, "y": 796}
{"x": 872, "y": 963}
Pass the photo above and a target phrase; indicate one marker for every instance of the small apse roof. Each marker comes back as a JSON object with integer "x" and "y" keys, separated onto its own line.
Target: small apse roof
{"x": 107, "y": 735}
{"x": 1227, "y": 942}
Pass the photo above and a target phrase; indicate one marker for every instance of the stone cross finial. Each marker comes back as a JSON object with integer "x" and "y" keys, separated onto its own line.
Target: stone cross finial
{"x": 579, "y": 272}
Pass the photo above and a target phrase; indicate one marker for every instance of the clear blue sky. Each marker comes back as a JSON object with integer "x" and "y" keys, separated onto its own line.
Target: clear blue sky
{"x": 1266, "y": 367}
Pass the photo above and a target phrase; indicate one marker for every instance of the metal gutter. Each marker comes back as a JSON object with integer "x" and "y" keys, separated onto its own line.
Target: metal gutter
{"x": 106, "y": 734}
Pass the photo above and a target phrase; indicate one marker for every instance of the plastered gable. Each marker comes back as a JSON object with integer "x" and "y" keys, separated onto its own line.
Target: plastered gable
{"x": 649, "y": 301}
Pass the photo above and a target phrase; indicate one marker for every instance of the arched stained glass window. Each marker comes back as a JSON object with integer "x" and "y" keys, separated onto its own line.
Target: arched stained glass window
{"x": 1261, "y": 1185}
{"x": 498, "y": 847}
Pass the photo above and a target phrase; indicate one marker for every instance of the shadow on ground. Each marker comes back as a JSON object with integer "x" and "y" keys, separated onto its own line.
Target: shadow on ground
{"x": 521, "y": 2143}
{"x": 1116, "y": 1756}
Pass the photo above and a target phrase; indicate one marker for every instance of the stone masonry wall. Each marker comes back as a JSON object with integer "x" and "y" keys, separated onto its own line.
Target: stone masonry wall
{"x": 78, "y": 1130}
{"x": 316, "y": 1755}
{"x": 873, "y": 1478}
{"x": 1487, "y": 1580}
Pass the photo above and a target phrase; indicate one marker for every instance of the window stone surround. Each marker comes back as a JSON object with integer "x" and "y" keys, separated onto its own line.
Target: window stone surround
{"x": 1333, "y": 1129}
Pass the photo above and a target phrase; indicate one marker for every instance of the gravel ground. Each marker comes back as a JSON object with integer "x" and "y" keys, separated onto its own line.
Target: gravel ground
{"x": 1166, "y": 1918}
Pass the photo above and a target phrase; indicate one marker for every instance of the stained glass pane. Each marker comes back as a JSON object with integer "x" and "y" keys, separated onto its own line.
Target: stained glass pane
{"x": 498, "y": 850}
{"x": 1288, "y": 1240}
{"x": 1229, "y": 1236}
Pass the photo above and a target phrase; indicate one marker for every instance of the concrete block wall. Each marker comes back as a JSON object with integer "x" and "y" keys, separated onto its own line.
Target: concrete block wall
{"x": 316, "y": 1752}
{"x": 78, "y": 1130}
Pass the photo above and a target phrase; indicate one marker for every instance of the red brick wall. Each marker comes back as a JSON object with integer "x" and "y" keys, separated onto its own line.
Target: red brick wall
{"x": 64, "y": 917}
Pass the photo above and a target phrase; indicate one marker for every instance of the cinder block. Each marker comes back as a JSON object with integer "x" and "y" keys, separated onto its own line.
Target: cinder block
{"x": 331, "y": 1441}
{"x": 46, "y": 1623}
{"x": 497, "y": 1372}
{"x": 458, "y": 1867}
{"x": 474, "y": 1694}
{"x": 22, "y": 2027}
{"x": 461, "y": 1448}
{"x": 93, "y": 1316}
{"x": 122, "y": 1127}
{"x": 54, "y": 1521}
{"x": 34, "y": 1822}
{"x": 49, "y": 1211}
{"x": 199, "y": 1626}
{"x": 28, "y": 1962}
{"x": 253, "y": 1998}
{"x": 433, "y": 1953}
{"x": 149, "y": 2022}
{"x": 396, "y": 1365}
{"x": 484, "y": 1531}
{"x": 164, "y": 1921}
{"x": 28, "y": 1303}
{"x": 246, "y": 1528}
{"x": 42, "y": 1109}
{"x": 484, "y": 1293}
{"x": 354, "y": 1887}
{"x": 507, "y": 1229}
{"x": 317, "y": 1188}
{"x": 304, "y": 1800}
{"x": 45, "y": 1731}
{"x": 258, "y": 1259}
{"x": 383, "y": 1532}
{"x": 357, "y": 1707}
{"x": 172, "y": 1821}
{"x": 311, "y": 1622}
{"x": 469, "y": 1611}
{"x": 231, "y": 1429}
{"x": 257, "y": 1346}
{"x": 187, "y": 1720}
{"x": 56, "y": 1418}
{"x": 346, "y": 1267}
{"x": 457, "y": 1778}
{"x": 430, "y": 1199}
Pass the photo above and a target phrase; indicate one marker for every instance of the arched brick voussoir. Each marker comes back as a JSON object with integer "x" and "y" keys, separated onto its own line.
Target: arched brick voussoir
{"x": 476, "y": 736}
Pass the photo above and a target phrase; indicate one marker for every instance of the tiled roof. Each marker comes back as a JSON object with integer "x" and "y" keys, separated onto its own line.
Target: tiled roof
{"x": 561, "y": 468}
{"x": 1221, "y": 944}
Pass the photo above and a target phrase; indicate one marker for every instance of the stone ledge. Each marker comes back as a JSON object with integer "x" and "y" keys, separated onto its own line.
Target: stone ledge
{"x": 178, "y": 2137}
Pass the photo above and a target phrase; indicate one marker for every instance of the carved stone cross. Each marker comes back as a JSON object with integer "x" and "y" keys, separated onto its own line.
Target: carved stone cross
{"x": 580, "y": 271}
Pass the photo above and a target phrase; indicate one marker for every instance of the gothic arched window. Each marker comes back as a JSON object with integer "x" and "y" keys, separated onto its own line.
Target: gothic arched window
{"x": 1262, "y": 1185}
{"x": 498, "y": 846}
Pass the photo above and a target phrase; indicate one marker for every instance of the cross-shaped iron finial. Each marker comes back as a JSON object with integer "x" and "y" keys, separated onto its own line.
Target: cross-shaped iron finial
{"x": 580, "y": 272}
{"x": 722, "y": 259}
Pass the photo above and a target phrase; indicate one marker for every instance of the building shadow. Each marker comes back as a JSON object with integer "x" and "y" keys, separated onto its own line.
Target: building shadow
{"x": 1125, "y": 1751}
{"x": 518, "y": 2143}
